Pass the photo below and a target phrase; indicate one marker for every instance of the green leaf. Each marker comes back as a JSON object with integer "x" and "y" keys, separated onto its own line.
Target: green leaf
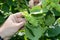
{"x": 34, "y": 33}
{"x": 57, "y": 13}
{"x": 2, "y": 19}
{"x": 55, "y": 30}
{"x": 35, "y": 9}
{"x": 50, "y": 19}
{"x": 31, "y": 19}
{"x": 54, "y": 1}
{"x": 9, "y": 2}
{"x": 58, "y": 21}
{"x": 52, "y": 32}
{"x": 5, "y": 8}
{"x": 56, "y": 6}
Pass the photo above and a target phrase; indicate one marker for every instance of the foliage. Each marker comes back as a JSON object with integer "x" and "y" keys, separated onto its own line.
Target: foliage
{"x": 43, "y": 22}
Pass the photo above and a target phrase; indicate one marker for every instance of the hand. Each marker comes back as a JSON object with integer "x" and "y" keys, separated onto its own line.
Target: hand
{"x": 12, "y": 25}
{"x": 34, "y": 2}
{"x": 31, "y": 3}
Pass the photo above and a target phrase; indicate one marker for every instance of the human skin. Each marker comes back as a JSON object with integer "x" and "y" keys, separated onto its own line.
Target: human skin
{"x": 14, "y": 23}
{"x": 33, "y": 3}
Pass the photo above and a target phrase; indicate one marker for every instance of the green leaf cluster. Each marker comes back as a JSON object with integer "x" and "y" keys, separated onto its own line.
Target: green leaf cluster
{"x": 43, "y": 21}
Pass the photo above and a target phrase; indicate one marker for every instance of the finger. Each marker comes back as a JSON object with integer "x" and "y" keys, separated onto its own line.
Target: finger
{"x": 18, "y": 15}
{"x": 12, "y": 17}
{"x": 21, "y": 24}
{"x": 31, "y": 3}
{"x": 20, "y": 20}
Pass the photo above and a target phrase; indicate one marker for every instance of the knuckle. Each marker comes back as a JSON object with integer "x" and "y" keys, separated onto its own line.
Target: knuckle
{"x": 11, "y": 15}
